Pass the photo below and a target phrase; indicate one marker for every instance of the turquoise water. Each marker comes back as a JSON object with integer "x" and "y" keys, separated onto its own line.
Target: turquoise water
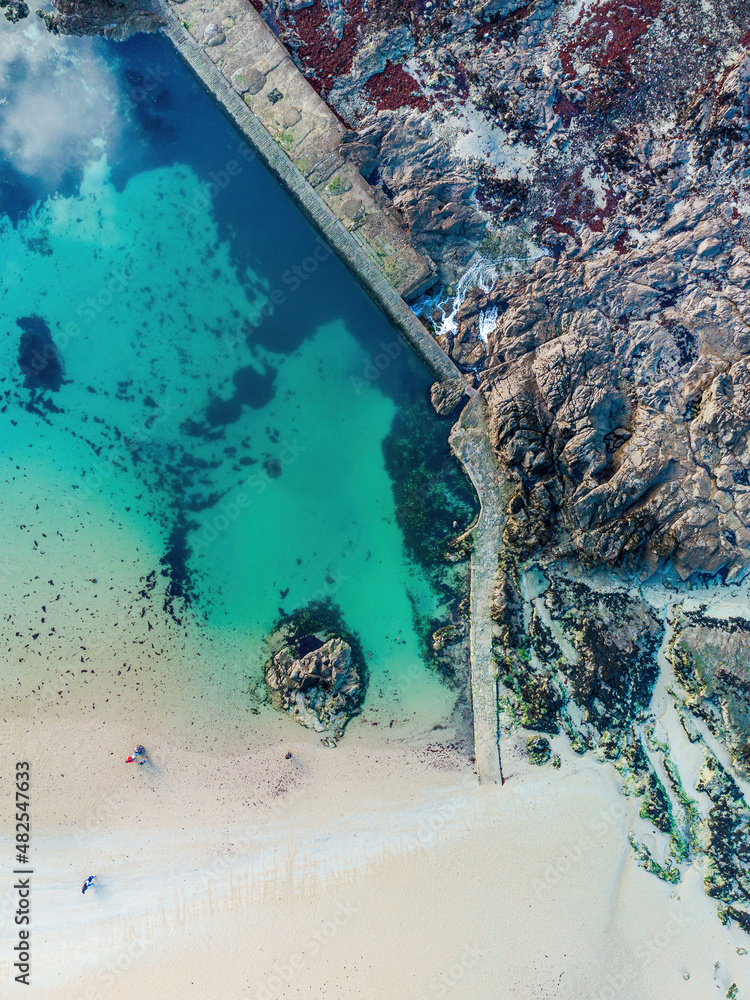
{"x": 214, "y": 454}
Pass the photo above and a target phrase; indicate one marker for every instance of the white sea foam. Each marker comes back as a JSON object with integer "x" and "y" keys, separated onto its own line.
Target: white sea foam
{"x": 487, "y": 322}
{"x": 482, "y": 275}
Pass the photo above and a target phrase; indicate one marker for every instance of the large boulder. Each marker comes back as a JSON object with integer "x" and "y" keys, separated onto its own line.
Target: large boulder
{"x": 316, "y": 676}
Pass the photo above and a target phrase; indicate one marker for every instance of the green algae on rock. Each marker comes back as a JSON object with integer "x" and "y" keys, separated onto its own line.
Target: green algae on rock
{"x": 540, "y": 751}
{"x": 711, "y": 658}
{"x": 317, "y": 670}
{"x": 727, "y": 844}
{"x": 587, "y": 650}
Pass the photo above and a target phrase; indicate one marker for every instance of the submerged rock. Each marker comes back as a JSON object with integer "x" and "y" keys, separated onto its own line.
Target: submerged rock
{"x": 317, "y": 676}
{"x": 38, "y": 357}
{"x": 15, "y": 10}
{"x": 116, "y": 19}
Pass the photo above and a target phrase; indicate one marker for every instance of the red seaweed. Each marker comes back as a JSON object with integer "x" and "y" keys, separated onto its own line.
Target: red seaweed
{"x": 608, "y": 36}
{"x": 324, "y": 58}
{"x": 394, "y": 88}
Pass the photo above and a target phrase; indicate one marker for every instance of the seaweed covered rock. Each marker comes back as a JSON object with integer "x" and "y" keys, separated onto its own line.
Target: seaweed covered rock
{"x": 711, "y": 658}
{"x": 448, "y": 648}
{"x": 614, "y": 637}
{"x": 587, "y": 664}
{"x": 316, "y": 672}
{"x": 15, "y": 10}
{"x": 38, "y": 357}
{"x": 727, "y": 835}
{"x": 539, "y": 750}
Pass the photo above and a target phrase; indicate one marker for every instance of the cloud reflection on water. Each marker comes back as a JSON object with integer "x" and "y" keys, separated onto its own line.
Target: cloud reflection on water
{"x": 60, "y": 104}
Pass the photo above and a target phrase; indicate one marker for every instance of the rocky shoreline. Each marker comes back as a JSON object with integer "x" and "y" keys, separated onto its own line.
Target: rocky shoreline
{"x": 615, "y": 366}
{"x": 596, "y": 157}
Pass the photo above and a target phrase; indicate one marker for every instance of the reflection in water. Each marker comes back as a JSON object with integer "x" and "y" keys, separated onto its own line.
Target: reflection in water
{"x": 216, "y": 436}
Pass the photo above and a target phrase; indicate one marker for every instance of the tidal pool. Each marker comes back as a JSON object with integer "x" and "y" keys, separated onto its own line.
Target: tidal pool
{"x": 194, "y": 427}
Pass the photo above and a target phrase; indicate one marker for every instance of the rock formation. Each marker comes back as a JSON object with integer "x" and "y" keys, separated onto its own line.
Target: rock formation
{"x": 117, "y": 19}
{"x": 316, "y": 676}
{"x": 585, "y": 664}
{"x": 594, "y": 159}
{"x": 38, "y": 357}
{"x": 15, "y": 10}
{"x": 616, "y": 140}
{"x": 711, "y": 658}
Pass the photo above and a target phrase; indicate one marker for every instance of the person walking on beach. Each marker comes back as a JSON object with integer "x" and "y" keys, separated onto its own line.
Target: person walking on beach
{"x": 88, "y": 883}
{"x": 138, "y": 752}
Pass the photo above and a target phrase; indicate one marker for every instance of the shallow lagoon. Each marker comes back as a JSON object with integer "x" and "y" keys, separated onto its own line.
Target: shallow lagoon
{"x": 214, "y": 455}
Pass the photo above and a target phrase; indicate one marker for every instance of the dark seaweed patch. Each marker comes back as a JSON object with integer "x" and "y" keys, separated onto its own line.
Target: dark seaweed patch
{"x": 685, "y": 343}
{"x": 181, "y": 585}
{"x": 434, "y": 499}
{"x": 38, "y": 357}
{"x": 252, "y": 388}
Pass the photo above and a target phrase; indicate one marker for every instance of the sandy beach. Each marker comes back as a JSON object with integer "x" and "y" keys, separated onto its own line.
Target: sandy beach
{"x": 376, "y": 869}
{"x": 208, "y": 464}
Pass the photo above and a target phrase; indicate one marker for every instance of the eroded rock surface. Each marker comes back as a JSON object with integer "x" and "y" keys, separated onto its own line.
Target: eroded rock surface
{"x": 711, "y": 658}
{"x": 617, "y": 372}
{"x": 116, "y": 19}
{"x": 316, "y": 671}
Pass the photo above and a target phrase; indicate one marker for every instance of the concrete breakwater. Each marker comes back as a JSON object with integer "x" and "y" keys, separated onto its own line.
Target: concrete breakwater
{"x": 470, "y": 441}
{"x": 252, "y": 78}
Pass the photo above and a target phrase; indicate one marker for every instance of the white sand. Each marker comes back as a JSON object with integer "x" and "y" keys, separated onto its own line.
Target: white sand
{"x": 377, "y": 869}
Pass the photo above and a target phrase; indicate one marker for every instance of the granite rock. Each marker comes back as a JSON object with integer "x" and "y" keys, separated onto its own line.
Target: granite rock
{"x": 321, "y": 687}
